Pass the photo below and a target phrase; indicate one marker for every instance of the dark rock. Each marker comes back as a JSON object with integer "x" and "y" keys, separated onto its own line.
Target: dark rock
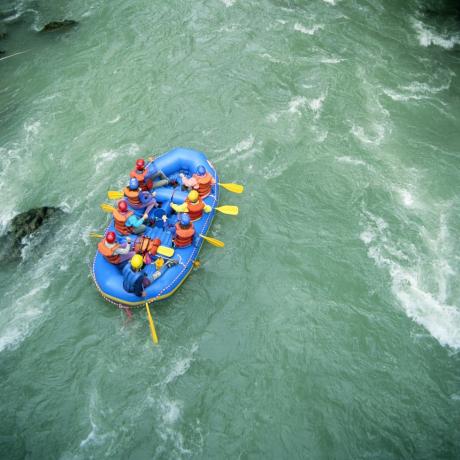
{"x": 2, "y": 52}
{"x": 59, "y": 25}
{"x": 23, "y": 225}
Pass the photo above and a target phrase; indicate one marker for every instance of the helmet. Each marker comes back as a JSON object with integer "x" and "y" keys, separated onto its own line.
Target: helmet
{"x": 122, "y": 206}
{"x": 137, "y": 261}
{"x": 133, "y": 184}
{"x": 193, "y": 196}
{"x": 156, "y": 242}
{"x": 110, "y": 237}
{"x": 185, "y": 220}
{"x": 140, "y": 164}
{"x": 201, "y": 170}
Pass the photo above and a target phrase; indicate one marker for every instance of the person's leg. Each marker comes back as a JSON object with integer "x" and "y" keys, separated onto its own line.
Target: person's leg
{"x": 139, "y": 230}
{"x": 126, "y": 257}
{"x": 160, "y": 183}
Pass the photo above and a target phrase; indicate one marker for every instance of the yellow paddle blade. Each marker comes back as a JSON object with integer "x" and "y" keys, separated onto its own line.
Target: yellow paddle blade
{"x": 165, "y": 251}
{"x": 213, "y": 241}
{"x": 114, "y": 195}
{"x": 107, "y": 207}
{"x": 152, "y": 326}
{"x": 228, "y": 209}
{"x": 95, "y": 235}
{"x": 235, "y": 188}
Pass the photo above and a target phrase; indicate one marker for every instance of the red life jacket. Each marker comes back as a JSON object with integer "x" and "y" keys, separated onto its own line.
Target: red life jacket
{"x": 108, "y": 253}
{"x": 133, "y": 197}
{"x": 184, "y": 236}
{"x": 204, "y": 184}
{"x": 120, "y": 219}
{"x": 140, "y": 176}
{"x": 195, "y": 210}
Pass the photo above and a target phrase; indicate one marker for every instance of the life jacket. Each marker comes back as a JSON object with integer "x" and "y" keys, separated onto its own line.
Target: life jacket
{"x": 133, "y": 280}
{"x": 133, "y": 197}
{"x": 108, "y": 253}
{"x": 184, "y": 236}
{"x": 204, "y": 184}
{"x": 145, "y": 245}
{"x": 195, "y": 210}
{"x": 140, "y": 176}
{"x": 120, "y": 219}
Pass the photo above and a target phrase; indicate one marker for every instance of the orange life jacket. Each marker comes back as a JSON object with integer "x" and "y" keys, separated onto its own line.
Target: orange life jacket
{"x": 133, "y": 197}
{"x": 204, "y": 184}
{"x": 184, "y": 236}
{"x": 145, "y": 186}
{"x": 108, "y": 253}
{"x": 195, "y": 210}
{"x": 120, "y": 219}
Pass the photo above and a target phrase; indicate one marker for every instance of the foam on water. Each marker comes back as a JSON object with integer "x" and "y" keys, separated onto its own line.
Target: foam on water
{"x": 307, "y": 30}
{"x": 374, "y": 138}
{"x": 409, "y": 274}
{"x": 427, "y": 36}
{"x": 351, "y": 161}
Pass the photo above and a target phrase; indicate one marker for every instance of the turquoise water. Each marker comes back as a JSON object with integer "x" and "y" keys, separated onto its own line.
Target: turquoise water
{"x": 329, "y": 325}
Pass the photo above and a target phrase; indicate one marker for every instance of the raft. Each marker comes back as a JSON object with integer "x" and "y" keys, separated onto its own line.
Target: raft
{"x": 108, "y": 277}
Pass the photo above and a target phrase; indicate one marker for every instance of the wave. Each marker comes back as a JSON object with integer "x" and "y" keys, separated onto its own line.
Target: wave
{"x": 412, "y": 275}
{"x": 427, "y": 36}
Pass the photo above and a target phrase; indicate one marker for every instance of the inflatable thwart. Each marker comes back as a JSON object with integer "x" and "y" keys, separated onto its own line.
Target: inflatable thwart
{"x": 178, "y": 165}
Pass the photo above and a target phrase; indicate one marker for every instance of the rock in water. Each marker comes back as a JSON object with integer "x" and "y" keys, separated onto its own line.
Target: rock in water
{"x": 58, "y": 25}
{"x": 23, "y": 225}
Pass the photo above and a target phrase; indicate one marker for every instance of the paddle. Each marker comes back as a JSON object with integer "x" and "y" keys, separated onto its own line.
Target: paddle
{"x": 162, "y": 250}
{"x": 213, "y": 241}
{"x": 228, "y": 209}
{"x": 235, "y": 188}
{"x": 152, "y": 326}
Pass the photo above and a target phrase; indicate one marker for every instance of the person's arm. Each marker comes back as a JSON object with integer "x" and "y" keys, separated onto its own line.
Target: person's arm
{"x": 122, "y": 249}
{"x": 133, "y": 221}
{"x": 188, "y": 182}
{"x": 180, "y": 207}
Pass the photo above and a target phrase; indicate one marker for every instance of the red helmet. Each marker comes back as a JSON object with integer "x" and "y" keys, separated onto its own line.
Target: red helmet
{"x": 122, "y": 206}
{"x": 156, "y": 242}
{"x": 140, "y": 164}
{"x": 110, "y": 237}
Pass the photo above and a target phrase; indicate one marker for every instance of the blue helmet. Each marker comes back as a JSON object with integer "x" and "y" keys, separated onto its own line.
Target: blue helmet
{"x": 201, "y": 170}
{"x": 133, "y": 184}
{"x": 185, "y": 219}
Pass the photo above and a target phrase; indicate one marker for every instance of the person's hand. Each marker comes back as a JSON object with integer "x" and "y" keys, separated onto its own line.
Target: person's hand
{"x": 145, "y": 216}
{"x": 154, "y": 194}
{"x": 143, "y": 294}
{"x": 164, "y": 218}
{"x": 150, "y": 159}
{"x": 128, "y": 239}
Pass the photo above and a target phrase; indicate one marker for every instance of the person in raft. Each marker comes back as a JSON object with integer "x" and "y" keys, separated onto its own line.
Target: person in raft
{"x": 139, "y": 199}
{"x": 114, "y": 252}
{"x": 126, "y": 222}
{"x": 146, "y": 175}
{"x": 201, "y": 181}
{"x": 194, "y": 205}
{"x": 135, "y": 280}
{"x": 184, "y": 232}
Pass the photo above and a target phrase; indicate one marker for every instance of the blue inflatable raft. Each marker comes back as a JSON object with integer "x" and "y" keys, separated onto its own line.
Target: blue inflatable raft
{"x": 108, "y": 277}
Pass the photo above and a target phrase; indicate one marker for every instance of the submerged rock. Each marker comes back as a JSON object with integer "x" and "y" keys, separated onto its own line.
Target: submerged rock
{"x": 23, "y": 225}
{"x": 59, "y": 25}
